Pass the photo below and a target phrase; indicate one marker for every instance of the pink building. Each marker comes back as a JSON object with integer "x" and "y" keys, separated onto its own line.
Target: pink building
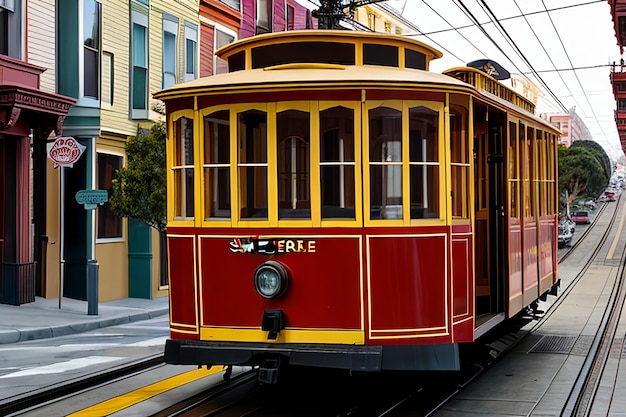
{"x": 569, "y": 126}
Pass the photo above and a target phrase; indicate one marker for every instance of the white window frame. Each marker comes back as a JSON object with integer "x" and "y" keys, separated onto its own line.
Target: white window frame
{"x": 107, "y": 95}
{"x": 229, "y": 3}
{"x": 223, "y": 29}
{"x": 191, "y": 33}
{"x": 142, "y": 20}
{"x": 82, "y": 100}
{"x": 170, "y": 25}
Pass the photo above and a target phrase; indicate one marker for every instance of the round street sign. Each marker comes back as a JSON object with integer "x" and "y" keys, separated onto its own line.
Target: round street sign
{"x": 65, "y": 151}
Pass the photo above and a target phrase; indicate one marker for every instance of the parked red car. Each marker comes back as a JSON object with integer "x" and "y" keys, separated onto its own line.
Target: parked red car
{"x": 581, "y": 217}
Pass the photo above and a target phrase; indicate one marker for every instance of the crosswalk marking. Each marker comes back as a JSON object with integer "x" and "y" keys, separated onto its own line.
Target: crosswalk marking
{"x": 150, "y": 342}
{"x": 60, "y": 367}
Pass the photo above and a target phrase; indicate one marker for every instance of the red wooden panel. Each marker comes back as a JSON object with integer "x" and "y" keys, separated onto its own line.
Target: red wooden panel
{"x": 324, "y": 290}
{"x": 463, "y": 331}
{"x": 408, "y": 282}
{"x": 531, "y": 271}
{"x": 206, "y": 50}
{"x": 462, "y": 276}
{"x": 279, "y": 15}
{"x": 404, "y": 94}
{"x": 515, "y": 266}
{"x": 182, "y": 286}
{"x": 546, "y": 251}
{"x": 248, "y": 25}
{"x": 335, "y": 94}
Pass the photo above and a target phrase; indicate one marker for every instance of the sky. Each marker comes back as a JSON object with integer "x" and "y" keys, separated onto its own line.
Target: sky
{"x": 565, "y": 47}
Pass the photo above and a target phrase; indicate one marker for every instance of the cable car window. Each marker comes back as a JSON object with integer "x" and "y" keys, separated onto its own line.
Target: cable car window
{"x": 459, "y": 158}
{"x": 337, "y": 163}
{"x": 252, "y": 133}
{"x": 299, "y": 52}
{"x": 294, "y": 165}
{"x": 183, "y": 168}
{"x": 385, "y": 154}
{"x": 551, "y": 143}
{"x": 524, "y": 171}
{"x": 414, "y": 59}
{"x": 541, "y": 173}
{"x": 217, "y": 165}
{"x": 386, "y": 55}
{"x": 531, "y": 178}
{"x": 237, "y": 62}
{"x": 514, "y": 183}
{"x": 424, "y": 162}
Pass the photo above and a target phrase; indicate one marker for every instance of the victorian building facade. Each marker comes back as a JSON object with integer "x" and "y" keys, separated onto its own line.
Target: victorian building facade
{"x": 87, "y": 69}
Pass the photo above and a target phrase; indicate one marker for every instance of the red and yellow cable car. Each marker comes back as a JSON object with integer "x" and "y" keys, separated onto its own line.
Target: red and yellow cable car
{"x": 333, "y": 203}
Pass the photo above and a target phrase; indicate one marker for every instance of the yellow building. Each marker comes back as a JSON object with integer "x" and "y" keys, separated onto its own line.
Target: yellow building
{"x": 126, "y": 51}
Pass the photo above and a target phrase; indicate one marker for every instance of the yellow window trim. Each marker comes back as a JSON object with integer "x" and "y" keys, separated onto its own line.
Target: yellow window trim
{"x": 271, "y": 109}
{"x": 404, "y": 106}
{"x": 170, "y": 154}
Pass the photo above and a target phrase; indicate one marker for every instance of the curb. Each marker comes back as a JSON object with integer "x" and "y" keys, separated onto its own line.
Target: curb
{"x": 47, "y": 332}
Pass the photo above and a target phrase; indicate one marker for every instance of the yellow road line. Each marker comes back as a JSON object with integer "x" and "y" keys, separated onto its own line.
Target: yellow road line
{"x": 617, "y": 236}
{"x": 134, "y": 397}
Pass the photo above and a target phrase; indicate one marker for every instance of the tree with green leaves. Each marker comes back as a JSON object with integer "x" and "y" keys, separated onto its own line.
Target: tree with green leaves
{"x": 600, "y": 153}
{"x": 139, "y": 188}
{"x": 581, "y": 172}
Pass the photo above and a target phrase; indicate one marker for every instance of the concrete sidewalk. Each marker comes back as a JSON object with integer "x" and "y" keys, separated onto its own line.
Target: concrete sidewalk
{"x": 43, "y": 318}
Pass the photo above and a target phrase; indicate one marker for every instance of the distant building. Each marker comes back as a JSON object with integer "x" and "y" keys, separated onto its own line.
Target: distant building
{"x": 379, "y": 17}
{"x": 570, "y": 126}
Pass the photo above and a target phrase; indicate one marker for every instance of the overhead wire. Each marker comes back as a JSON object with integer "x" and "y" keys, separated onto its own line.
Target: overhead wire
{"x": 497, "y": 22}
{"x": 536, "y": 73}
{"x": 572, "y": 66}
{"x": 504, "y": 19}
{"x": 518, "y": 51}
{"x": 525, "y": 16}
{"x": 449, "y": 24}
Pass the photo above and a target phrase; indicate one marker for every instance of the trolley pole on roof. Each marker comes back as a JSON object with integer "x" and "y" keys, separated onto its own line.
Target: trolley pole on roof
{"x": 332, "y": 12}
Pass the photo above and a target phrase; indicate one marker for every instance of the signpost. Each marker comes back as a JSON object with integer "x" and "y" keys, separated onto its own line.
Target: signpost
{"x": 64, "y": 152}
{"x": 90, "y": 198}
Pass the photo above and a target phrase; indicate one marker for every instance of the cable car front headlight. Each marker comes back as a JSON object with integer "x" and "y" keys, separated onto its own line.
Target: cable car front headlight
{"x": 271, "y": 279}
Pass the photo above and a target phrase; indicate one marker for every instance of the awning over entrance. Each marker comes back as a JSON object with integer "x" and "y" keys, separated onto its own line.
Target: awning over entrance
{"x": 15, "y": 100}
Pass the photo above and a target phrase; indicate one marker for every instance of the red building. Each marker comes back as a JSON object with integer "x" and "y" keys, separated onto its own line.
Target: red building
{"x": 225, "y": 21}
{"x": 28, "y": 115}
{"x": 618, "y": 73}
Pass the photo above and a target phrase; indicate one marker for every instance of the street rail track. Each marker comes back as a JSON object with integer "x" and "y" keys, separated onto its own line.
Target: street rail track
{"x": 22, "y": 403}
{"x": 243, "y": 395}
{"x": 581, "y": 399}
